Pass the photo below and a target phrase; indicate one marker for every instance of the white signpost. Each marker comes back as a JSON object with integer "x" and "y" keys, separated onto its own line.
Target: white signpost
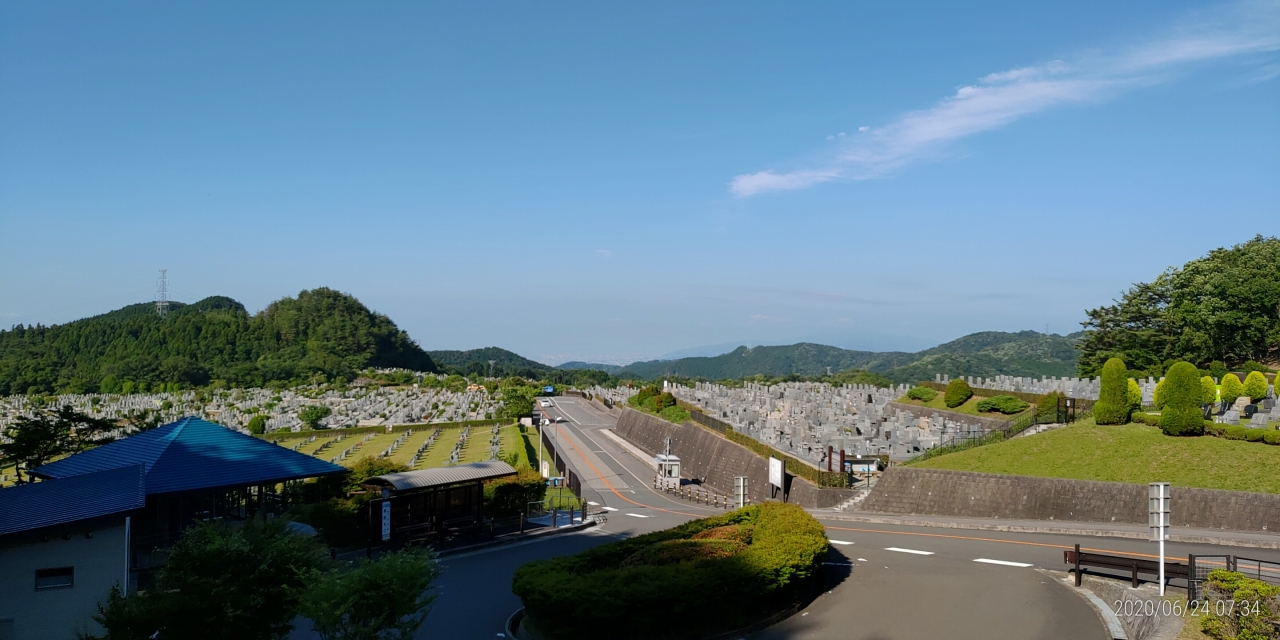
{"x": 740, "y": 490}
{"x": 1158, "y": 519}
{"x": 775, "y": 473}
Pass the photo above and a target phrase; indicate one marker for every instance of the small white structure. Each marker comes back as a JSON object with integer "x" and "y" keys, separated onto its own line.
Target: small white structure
{"x": 668, "y": 470}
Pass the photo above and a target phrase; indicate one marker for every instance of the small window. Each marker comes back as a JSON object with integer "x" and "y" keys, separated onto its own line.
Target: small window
{"x": 60, "y": 578}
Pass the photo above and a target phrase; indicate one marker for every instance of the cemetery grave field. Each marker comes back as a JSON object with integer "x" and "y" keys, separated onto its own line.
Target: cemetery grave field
{"x": 476, "y": 448}
{"x": 970, "y": 406}
{"x": 1133, "y": 453}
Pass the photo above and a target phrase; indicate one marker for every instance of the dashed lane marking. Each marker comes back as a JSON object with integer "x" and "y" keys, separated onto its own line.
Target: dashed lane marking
{"x": 636, "y": 515}
{"x": 913, "y": 551}
{"x": 839, "y": 542}
{"x": 1002, "y": 562}
{"x": 609, "y": 508}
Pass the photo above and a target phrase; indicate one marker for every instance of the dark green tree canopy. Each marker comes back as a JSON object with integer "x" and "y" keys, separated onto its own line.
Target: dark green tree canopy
{"x": 322, "y": 332}
{"x": 1224, "y": 306}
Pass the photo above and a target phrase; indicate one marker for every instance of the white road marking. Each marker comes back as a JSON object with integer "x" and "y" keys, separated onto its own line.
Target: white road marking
{"x": 607, "y": 508}
{"x": 636, "y": 515}
{"x": 1003, "y": 562}
{"x": 594, "y": 504}
{"x": 862, "y": 559}
{"x": 839, "y": 542}
{"x": 915, "y": 551}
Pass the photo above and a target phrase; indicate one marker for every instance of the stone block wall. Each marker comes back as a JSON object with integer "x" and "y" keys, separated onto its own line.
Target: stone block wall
{"x": 709, "y": 455}
{"x": 908, "y": 490}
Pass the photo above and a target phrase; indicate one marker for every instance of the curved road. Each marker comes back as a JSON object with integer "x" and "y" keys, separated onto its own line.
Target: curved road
{"x": 886, "y": 582}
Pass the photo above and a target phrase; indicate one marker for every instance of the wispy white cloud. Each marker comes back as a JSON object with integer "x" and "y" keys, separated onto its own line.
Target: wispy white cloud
{"x": 997, "y": 99}
{"x": 604, "y": 253}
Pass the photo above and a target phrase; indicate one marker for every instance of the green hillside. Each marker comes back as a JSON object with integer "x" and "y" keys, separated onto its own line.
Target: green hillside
{"x": 1025, "y": 353}
{"x": 596, "y": 366}
{"x": 320, "y": 333}
{"x": 476, "y": 361}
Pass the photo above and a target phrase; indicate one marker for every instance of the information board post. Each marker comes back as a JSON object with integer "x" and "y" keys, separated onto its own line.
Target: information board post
{"x": 777, "y": 476}
{"x": 1158, "y": 519}
{"x": 740, "y": 490}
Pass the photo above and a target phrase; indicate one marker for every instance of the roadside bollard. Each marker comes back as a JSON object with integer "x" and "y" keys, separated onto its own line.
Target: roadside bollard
{"x": 521, "y": 523}
{"x": 553, "y": 518}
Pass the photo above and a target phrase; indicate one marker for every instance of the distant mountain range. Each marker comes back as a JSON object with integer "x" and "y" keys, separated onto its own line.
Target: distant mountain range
{"x": 988, "y": 353}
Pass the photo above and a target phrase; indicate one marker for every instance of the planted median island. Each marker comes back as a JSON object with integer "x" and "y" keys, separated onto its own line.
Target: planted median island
{"x": 699, "y": 579}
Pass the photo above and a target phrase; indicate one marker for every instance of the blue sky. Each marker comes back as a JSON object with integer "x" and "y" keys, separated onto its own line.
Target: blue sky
{"x": 609, "y": 183}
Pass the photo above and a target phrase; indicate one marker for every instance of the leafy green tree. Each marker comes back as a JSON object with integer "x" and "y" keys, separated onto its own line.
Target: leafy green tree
{"x": 1208, "y": 390}
{"x": 258, "y": 425}
{"x": 383, "y": 599}
{"x": 958, "y": 392}
{"x": 1222, "y": 306}
{"x": 1232, "y": 388}
{"x": 1113, "y": 398}
{"x": 1218, "y": 369}
{"x": 33, "y": 440}
{"x": 1255, "y": 386}
{"x": 1181, "y": 415}
{"x": 221, "y": 583}
{"x": 1134, "y": 395}
{"x": 1047, "y": 408}
{"x": 517, "y": 399}
{"x": 312, "y": 414}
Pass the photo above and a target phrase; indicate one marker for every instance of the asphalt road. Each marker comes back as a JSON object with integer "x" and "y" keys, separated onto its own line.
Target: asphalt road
{"x": 885, "y": 582}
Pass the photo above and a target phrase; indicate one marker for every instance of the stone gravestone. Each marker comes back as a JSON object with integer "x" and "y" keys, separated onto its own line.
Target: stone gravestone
{"x": 1231, "y": 417}
{"x": 1259, "y": 420}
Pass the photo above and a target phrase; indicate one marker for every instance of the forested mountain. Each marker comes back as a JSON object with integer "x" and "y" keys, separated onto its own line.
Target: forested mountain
{"x": 476, "y": 361}
{"x": 1026, "y": 353}
{"x": 1224, "y": 306}
{"x": 578, "y": 364}
{"x": 320, "y": 333}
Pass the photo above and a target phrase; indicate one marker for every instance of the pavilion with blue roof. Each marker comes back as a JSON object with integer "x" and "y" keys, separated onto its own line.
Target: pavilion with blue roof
{"x": 192, "y": 470}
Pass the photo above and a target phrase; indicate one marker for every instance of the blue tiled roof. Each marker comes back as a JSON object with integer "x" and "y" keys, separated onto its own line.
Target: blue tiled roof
{"x": 44, "y": 504}
{"x": 194, "y": 454}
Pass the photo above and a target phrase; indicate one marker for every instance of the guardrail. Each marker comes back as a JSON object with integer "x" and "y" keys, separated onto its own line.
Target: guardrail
{"x": 1133, "y": 565}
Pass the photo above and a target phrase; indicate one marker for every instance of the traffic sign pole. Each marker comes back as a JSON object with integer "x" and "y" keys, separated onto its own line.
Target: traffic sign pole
{"x": 1158, "y": 519}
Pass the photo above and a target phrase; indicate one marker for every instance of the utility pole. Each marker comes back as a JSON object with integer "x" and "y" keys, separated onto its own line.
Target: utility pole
{"x": 162, "y": 294}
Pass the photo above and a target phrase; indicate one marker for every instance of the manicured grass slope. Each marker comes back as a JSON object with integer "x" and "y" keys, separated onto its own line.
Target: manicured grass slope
{"x": 1127, "y": 453}
{"x": 970, "y": 406}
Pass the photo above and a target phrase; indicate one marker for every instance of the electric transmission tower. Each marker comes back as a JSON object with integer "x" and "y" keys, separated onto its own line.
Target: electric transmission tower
{"x": 162, "y": 294}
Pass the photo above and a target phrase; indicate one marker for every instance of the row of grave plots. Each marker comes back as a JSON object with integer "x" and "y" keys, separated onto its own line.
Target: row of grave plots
{"x": 417, "y": 448}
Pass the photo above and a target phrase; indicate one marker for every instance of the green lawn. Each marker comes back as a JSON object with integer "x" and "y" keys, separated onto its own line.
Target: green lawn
{"x": 1129, "y": 453}
{"x": 970, "y": 406}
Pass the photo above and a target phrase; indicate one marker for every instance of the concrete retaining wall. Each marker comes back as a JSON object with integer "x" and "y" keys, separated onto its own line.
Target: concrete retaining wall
{"x": 908, "y": 490}
{"x": 709, "y": 455}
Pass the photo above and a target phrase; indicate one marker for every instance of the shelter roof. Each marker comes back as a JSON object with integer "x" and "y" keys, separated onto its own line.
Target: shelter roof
{"x": 441, "y": 476}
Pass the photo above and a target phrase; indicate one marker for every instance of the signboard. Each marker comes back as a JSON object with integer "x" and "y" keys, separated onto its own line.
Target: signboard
{"x": 775, "y": 472}
{"x": 546, "y": 468}
{"x": 386, "y": 520}
{"x": 740, "y": 491}
{"x": 1158, "y": 511}
{"x": 548, "y": 389}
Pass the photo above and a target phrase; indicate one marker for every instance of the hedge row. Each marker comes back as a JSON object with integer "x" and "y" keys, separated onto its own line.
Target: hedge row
{"x": 793, "y": 466}
{"x": 701, "y": 578}
{"x": 1227, "y": 431}
{"x": 1033, "y": 398}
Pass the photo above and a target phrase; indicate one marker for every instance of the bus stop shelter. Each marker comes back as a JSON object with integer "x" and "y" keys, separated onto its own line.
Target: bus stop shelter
{"x": 431, "y": 503}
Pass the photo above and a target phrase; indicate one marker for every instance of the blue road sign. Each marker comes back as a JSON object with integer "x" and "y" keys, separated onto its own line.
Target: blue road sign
{"x": 548, "y": 389}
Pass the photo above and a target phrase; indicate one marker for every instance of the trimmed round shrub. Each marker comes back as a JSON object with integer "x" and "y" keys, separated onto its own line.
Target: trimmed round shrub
{"x": 1270, "y": 437}
{"x": 1134, "y": 395}
{"x": 1232, "y": 388}
{"x": 1208, "y": 390}
{"x": 1255, "y": 386}
{"x": 698, "y": 579}
{"x": 1007, "y": 405}
{"x": 958, "y": 393}
{"x": 923, "y": 394}
{"x": 1157, "y": 398}
{"x": 1113, "y": 399}
{"x": 1181, "y": 415}
{"x": 257, "y": 425}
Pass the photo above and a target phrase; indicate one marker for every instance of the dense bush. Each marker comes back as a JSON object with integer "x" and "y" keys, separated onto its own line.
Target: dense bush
{"x": 1232, "y": 388}
{"x": 1113, "y": 399}
{"x": 923, "y": 394}
{"x": 1157, "y": 398}
{"x": 1218, "y": 369}
{"x": 1253, "y": 365}
{"x": 1047, "y": 407}
{"x": 1134, "y": 395}
{"x": 1255, "y": 386}
{"x": 958, "y": 393}
{"x": 1208, "y": 390}
{"x": 697, "y": 579}
{"x": 641, "y": 398}
{"x": 1007, "y": 405}
{"x": 509, "y": 496}
{"x": 661, "y": 401}
{"x": 1252, "y": 616}
{"x": 257, "y": 425}
{"x": 1181, "y": 415}
{"x": 1145, "y": 418}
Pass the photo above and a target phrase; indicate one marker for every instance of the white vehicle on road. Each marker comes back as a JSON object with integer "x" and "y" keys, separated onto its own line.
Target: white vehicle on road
{"x": 544, "y": 403}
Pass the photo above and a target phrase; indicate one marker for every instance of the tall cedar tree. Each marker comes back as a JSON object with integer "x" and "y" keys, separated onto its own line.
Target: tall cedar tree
{"x": 1113, "y": 399}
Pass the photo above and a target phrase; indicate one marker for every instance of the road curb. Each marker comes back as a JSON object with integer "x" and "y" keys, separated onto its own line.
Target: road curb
{"x": 1085, "y": 529}
{"x": 502, "y": 542}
